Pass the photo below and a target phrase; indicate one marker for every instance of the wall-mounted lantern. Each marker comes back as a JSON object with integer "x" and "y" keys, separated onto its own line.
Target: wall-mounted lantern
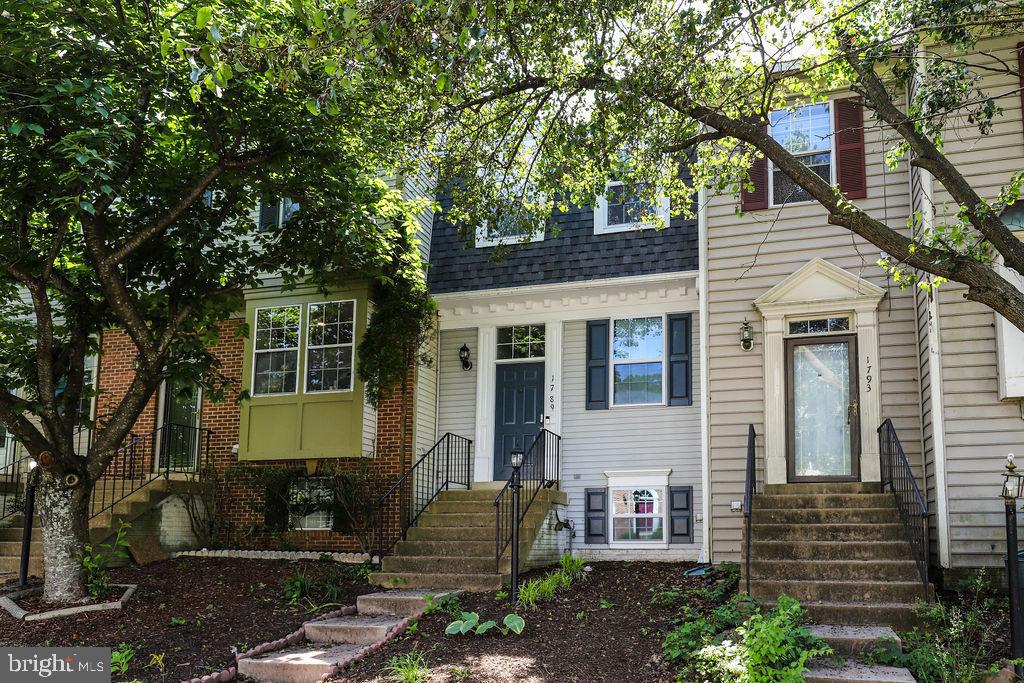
{"x": 467, "y": 364}
{"x": 746, "y": 336}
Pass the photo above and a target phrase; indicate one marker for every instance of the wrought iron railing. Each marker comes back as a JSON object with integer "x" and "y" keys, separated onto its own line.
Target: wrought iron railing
{"x": 749, "y": 491}
{"x": 16, "y": 465}
{"x": 912, "y": 506}
{"x": 540, "y": 470}
{"x": 149, "y": 458}
{"x": 447, "y": 463}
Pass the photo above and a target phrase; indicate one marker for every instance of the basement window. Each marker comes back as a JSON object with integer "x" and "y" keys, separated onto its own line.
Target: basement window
{"x": 638, "y": 514}
{"x": 310, "y": 504}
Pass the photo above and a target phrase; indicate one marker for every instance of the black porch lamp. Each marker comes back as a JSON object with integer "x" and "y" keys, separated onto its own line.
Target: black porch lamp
{"x": 1013, "y": 490}
{"x": 467, "y": 364}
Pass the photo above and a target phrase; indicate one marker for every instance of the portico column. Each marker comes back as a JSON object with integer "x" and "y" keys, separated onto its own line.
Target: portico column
{"x": 774, "y": 401}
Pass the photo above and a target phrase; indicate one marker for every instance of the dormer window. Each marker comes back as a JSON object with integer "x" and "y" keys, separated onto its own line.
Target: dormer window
{"x": 621, "y": 209}
{"x": 275, "y": 212}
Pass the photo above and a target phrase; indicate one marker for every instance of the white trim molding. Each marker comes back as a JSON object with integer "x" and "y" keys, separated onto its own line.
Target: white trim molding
{"x": 820, "y": 288}
{"x": 640, "y": 478}
{"x": 601, "y": 227}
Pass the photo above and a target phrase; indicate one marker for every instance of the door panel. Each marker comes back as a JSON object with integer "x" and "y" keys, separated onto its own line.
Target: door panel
{"x": 180, "y": 436}
{"x": 518, "y": 411}
{"x": 823, "y": 408}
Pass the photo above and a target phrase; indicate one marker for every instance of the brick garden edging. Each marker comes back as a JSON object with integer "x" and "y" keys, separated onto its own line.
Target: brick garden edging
{"x": 7, "y": 602}
{"x": 353, "y": 558}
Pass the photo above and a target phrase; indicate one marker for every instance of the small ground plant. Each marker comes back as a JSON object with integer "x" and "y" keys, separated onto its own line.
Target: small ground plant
{"x": 448, "y": 603}
{"x": 408, "y": 668}
{"x": 535, "y": 591}
{"x": 120, "y": 658}
{"x": 469, "y": 622}
{"x": 95, "y": 562}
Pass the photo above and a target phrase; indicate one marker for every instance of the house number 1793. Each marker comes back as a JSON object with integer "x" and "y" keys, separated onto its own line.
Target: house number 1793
{"x": 867, "y": 377}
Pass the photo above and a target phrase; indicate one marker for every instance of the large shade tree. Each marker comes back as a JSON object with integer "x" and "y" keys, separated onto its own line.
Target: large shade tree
{"x": 538, "y": 103}
{"x": 131, "y": 159}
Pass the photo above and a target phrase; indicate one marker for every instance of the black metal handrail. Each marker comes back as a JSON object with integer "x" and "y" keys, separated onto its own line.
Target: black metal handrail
{"x": 912, "y": 506}
{"x": 148, "y": 458}
{"x": 448, "y": 462}
{"x": 540, "y": 470}
{"x": 15, "y": 470}
{"x": 749, "y": 491}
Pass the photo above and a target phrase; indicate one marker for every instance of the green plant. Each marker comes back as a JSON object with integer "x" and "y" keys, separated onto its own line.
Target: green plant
{"x": 644, "y": 631}
{"x": 572, "y": 567}
{"x": 581, "y": 616}
{"x": 296, "y": 587}
{"x": 410, "y": 667}
{"x": 698, "y": 630}
{"x": 605, "y": 603}
{"x": 501, "y": 595}
{"x": 178, "y": 621}
{"x": 460, "y": 673}
{"x": 529, "y": 594}
{"x": 120, "y": 658}
{"x": 470, "y": 622}
{"x": 448, "y": 603}
{"x": 413, "y": 628}
{"x": 156, "y": 661}
{"x": 95, "y": 562}
{"x": 957, "y": 639}
{"x": 359, "y": 572}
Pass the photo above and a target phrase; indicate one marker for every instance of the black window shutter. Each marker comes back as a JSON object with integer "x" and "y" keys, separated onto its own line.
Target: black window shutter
{"x": 680, "y": 359}
{"x": 596, "y": 511}
{"x": 597, "y": 364}
{"x": 275, "y": 512}
{"x": 269, "y": 214}
{"x": 681, "y": 514}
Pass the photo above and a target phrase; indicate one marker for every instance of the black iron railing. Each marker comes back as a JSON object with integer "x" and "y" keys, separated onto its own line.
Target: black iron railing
{"x": 912, "y": 506}
{"x": 447, "y": 463}
{"x": 149, "y": 458}
{"x": 749, "y": 490}
{"x": 540, "y": 470}
{"x": 16, "y": 465}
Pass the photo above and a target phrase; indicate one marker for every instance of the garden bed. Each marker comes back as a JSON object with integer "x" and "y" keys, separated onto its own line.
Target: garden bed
{"x": 605, "y": 627}
{"x": 195, "y": 612}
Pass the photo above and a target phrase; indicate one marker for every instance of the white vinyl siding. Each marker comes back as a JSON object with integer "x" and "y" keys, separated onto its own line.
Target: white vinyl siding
{"x": 456, "y": 410}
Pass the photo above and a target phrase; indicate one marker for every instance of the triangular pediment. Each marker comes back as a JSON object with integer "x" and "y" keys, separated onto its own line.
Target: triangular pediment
{"x": 817, "y": 282}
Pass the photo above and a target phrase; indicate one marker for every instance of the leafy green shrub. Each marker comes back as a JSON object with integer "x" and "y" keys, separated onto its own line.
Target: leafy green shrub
{"x": 296, "y": 587}
{"x": 448, "y": 603}
{"x": 408, "y": 668}
{"x": 696, "y": 631}
{"x": 120, "y": 658}
{"x": 469, "y": 622}
{"x": 957, "y": 639}
{"x": 95, "y": 562}
{"x": 529, "y": 594}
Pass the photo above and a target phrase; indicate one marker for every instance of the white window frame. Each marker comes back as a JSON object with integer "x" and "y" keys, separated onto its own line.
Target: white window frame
{"x": 532, "y": 359}
{"x": 655, "y": 480}
{"x": 850, "y": 327}
{"x": 484, "y": 239}
{"x": 831, "y": 164}
{"x": 280, "y": 212}
{"x": 637, "y": 361}
{"x": 308, "y": 346}
{"x": 291, "y": 517}
{"x": 601, "y": 226}
{"x": 255, "y": 351}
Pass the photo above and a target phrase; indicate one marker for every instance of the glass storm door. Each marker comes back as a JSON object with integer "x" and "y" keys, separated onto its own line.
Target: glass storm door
{"x": 180, "y": 436}
{"x": 823, "y": 424}
{"x": 518, "y": 411}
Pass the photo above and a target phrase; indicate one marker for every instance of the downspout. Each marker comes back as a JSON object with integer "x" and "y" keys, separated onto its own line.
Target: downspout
{"x": 706, "y": 551}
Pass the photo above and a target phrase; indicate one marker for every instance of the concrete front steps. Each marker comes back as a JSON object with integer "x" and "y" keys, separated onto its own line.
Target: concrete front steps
{"x": 849, "y": 642}
{"x": 453, "y": 543}
{"x": 327, "y": 645}
{"x": 839, "y": 549}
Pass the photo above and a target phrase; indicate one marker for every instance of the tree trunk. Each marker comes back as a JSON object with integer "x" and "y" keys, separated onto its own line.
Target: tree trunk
{"x": 65, "y": 515}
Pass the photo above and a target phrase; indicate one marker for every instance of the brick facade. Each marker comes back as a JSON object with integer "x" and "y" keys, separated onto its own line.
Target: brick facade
{"x": 242, "y": 500}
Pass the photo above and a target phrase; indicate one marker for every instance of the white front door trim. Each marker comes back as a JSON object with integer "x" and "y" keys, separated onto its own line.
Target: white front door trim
{"x": 820, "y": 288}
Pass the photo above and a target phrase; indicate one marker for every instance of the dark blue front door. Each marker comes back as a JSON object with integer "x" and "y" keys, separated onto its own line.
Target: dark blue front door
{"x": 518, "y": 411}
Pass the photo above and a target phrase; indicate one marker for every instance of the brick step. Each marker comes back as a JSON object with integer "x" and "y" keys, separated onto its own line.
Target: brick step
{"x": 297, "y": 664}
{"x": 831, "y": 487}
{"x": 839, "y": 570}
{"x": 826, "y": 516}
{"x": 897, "y": 615}
{"x": 354, "y": 629}
{"x": 794, "y": 501}
{"x": 848, "y": 641}
{"x": 827, "y": 671}
{"x": 474, "y": 583}
{"x": 838, "y": 591}
{"x": 830, "y": 550}
{"x": 462, "y": 533}
{"x": 475, "y": 519}
{"x": 828, "y": 532}
{"x": 427, "y": 564}
{"x": 455, "y": 548}
{"x": 401, "y": 603}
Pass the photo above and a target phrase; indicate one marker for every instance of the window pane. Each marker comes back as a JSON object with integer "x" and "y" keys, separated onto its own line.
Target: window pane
{"x": 275, "y": 372}
{"x": 637, "y": 383}
{"x": 638, "y": 529}
{"x": 803, "y": 130}
{"x": 636, "y": 501}
{"x": 277, "y": 328}
{"x": 638, "y": 338}
{"x": 520, "y": 341}
{"x": 624, "y": 205}
{"x": 838, "y": 324}
{"x": 310, "y": 504}
{"x": 784, "y": 190}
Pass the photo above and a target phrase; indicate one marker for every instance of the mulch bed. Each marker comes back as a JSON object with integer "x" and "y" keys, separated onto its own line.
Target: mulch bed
{"x": 569, "y": 638}
{"x": 226, "y": 603}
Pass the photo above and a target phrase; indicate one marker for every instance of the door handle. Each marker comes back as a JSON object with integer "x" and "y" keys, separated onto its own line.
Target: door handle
{"x": 852, "y": 412}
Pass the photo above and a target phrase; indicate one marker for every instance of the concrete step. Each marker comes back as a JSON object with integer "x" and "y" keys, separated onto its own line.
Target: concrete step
{"x": 297, "y": 664}
{"x": 13, "y": 548}
{"x": 792, "y": 501}
{"x": 454, "y": 548}
{"x": 13, "y": 564}
{"x": 548, "y": 496}
{"x": 828, "y": 532}
{"x": 827, "y": 671}
{"x": 841, "y": 570}
{"x": 848, "y": 641}
{"x": 401, "y": 603}
{"x": 829, "y": 550}
{"x": 831, "y": 487}
{"x": 464, "y": 506}
{"x": 838, "y": 591}
{"x": 476, "y": 519}
{"x": 355, "y": 629}
{"x": 474, "y": 583}
{"x": 461, "y": 533}
{"x": 859, "y": 515}
{"x": 426, "y": 564}
{"x": 897, "y": 615}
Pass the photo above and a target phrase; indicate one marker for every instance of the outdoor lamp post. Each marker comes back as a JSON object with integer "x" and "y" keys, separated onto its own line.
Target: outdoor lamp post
{"x": 516, "y": 457}
{"x": 1013, "y": 488}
